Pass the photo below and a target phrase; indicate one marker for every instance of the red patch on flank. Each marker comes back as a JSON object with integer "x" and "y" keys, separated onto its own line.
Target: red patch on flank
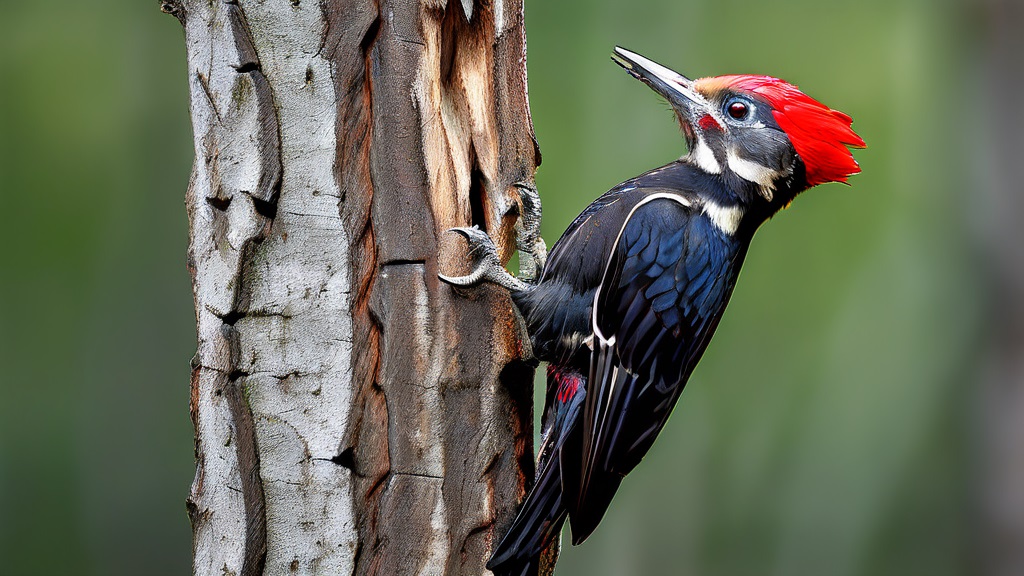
{"x": 706, "y": 123}
{"x": 567, "y": 389}
{"x": 568, "y": 383}
{"x": 819, "y": 134}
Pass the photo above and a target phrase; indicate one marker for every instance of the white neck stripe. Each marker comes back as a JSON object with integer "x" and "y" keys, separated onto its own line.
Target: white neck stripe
{"x": 725, "y": 218}
{"x": 751, "y": 171}
{"x": 704, "y": 157}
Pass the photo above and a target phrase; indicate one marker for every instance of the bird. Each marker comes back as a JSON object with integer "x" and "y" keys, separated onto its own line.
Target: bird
{"x": 631, "y": 294}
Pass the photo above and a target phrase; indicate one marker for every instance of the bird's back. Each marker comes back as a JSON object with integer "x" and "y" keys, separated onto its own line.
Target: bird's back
{"x": 558, "y": 309}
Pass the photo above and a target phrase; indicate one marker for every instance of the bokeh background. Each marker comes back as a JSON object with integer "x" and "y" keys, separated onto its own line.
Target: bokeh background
{"x": 854, "y": 416}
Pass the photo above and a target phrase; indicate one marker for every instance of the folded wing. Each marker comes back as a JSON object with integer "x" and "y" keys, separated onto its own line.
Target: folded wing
{"x": 667, "y": 280}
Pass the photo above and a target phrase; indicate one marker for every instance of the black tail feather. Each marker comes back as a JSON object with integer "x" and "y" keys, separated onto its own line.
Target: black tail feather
{"x": 600, "y": 492}
{"x": 537, "y": 525}
{"x": 515, "y": 567}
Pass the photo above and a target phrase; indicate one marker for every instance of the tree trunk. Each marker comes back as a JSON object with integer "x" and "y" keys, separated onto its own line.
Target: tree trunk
{"x": 353, "y": 415}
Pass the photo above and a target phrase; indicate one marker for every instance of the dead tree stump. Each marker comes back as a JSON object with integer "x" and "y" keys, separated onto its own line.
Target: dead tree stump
{"x": 353, "y": 415}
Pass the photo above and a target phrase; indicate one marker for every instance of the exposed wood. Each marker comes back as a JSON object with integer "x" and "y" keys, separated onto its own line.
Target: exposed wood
{"x": 353, "y": 415}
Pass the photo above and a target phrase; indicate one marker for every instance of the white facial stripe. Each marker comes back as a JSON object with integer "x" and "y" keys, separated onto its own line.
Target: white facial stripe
{"x": 725, "y": 218}
{"x": 704, "y": 158}
{"x": 753, "y": 172}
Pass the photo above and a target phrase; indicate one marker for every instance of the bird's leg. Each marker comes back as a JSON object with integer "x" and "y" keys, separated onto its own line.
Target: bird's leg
{"x": 486, "y": 265}
{"x": 533, "y": 253}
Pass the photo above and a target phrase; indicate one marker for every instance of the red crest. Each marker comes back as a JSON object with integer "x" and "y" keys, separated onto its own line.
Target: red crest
{"x": 819, "y": 134}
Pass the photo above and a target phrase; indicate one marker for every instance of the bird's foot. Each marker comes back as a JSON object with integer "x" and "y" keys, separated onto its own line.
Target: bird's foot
{"x": 486, "y": 265}
{"x": 533, "y": 253}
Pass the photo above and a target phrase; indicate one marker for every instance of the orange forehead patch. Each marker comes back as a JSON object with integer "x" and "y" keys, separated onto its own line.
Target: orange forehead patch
{"x": 819, "y": 134}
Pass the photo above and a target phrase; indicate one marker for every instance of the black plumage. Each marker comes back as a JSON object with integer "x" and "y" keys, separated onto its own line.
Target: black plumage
{"x": 660, "y": 272}
{"x": 636, "y": 286}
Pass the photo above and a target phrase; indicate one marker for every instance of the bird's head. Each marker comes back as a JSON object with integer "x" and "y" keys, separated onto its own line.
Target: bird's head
{"x": 754, "y": 129}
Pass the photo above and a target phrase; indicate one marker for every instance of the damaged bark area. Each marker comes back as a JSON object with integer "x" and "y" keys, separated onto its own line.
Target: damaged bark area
{"x": 353, "y": 414}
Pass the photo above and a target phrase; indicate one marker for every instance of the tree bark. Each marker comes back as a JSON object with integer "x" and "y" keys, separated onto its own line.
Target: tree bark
{"x": 353, "y": 415}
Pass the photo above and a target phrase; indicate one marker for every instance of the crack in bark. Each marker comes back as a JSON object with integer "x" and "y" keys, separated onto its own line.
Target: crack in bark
{"x": 205, "y": 83}
{"x": 357, "y": 27}
{"x": 415, "y": 475}
{"x": 391, "y": 263}
{"x": 247, "y": 450}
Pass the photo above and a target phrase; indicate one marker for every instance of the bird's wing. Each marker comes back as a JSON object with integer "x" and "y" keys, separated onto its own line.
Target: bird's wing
{"x": 667, "y": 280}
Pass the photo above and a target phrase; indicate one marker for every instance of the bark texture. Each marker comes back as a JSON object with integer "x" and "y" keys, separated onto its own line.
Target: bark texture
{"x": 353, "y": 415}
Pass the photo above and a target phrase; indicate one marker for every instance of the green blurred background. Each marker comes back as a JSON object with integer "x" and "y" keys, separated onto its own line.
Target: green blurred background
{"x": 831, "y": 429}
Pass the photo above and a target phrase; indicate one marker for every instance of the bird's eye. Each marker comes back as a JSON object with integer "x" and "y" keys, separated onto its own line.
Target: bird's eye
{"x": 738, "y": 110}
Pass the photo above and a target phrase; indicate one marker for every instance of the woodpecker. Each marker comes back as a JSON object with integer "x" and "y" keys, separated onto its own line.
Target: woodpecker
{"x": 633, "y": 291}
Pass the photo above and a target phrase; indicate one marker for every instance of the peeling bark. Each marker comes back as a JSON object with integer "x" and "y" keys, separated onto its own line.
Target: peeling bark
{"x": 352, "y": 414}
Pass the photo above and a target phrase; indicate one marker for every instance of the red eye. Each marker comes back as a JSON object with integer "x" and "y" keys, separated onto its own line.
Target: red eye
{"x": 738, "y": 110}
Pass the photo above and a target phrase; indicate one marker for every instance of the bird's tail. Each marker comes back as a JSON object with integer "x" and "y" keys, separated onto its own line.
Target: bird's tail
{"x": 535, "y": 529}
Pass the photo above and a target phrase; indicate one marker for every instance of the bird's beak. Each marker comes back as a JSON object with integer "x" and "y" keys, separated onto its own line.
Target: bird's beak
{"x": 673, "y": 86}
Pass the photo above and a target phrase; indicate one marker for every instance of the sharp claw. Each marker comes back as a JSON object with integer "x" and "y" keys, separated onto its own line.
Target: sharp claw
{"x": 467, "y": 280}
{"x": 464, "y": 231}
{"x": 486, "y": 264}
{"x": 477, "y": 238}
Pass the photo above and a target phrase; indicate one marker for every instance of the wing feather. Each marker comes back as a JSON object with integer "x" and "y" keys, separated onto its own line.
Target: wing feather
{"x": 666, "y": 282}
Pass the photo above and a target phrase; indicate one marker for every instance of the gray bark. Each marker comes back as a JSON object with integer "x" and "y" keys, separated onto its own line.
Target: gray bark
{"x": 353, "y": 415}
